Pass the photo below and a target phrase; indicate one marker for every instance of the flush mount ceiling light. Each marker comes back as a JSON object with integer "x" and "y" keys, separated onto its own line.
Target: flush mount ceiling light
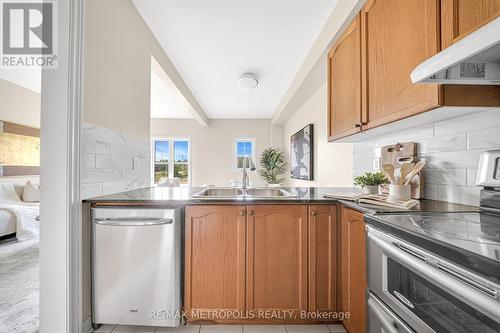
{"x": 247, "y": 81}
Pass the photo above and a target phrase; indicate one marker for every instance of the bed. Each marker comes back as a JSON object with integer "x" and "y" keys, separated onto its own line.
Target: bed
{"x": 18, "y": 214}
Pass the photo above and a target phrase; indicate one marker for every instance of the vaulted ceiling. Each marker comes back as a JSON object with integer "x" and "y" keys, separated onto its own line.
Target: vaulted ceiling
{"x": 213, "y": 43}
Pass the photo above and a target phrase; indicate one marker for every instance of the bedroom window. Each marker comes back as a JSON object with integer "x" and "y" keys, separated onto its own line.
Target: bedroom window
{"x": 243, "y": 147}
{"x": 171, "y": 159}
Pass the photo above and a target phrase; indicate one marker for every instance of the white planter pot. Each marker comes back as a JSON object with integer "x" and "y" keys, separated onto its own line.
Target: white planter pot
{"x": 399, "y": 192}
{"x": 370, "y": 190}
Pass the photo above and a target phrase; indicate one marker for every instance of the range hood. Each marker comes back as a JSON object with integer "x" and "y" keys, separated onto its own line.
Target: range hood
{"x": 473, "y": 60}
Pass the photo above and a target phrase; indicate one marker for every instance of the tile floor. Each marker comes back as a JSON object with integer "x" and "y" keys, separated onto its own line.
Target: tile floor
{"x": 224, "y": 329}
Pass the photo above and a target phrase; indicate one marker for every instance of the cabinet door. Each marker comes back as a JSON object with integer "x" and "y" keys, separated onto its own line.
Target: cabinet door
{"x": 215, "y": 258}
{"x": 277, "y": 257}
{"x": 397, "y": 36}
{"x": 344, "y": 84}
{"x": 461, "y": 17}
{"x": 353, "y": 266}
{"x": 323, "y": 234}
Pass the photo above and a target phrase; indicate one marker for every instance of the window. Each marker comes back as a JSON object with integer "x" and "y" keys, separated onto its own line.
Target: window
{"x": 171, "y": 159}
{"x": 243, "y": 147}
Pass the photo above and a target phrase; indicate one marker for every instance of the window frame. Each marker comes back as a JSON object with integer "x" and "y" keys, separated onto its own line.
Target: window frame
{"x": 235, "y": 150}
{"x": 171, "y": 161}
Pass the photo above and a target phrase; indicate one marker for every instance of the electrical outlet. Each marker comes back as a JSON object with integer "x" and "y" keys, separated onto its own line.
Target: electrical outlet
{"x": 376, "y": 164}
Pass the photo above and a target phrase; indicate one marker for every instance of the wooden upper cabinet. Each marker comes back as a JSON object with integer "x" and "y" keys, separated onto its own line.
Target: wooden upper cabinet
{"x": 323, "y": 235}
{"x": 353, "y": 269}
{"x": 344, "y": 84}
{"x": 461, "y": 17}
{"x": 215, "y": 257}
{"x": 277, "y": 257}
{"x": 397, "y": 36}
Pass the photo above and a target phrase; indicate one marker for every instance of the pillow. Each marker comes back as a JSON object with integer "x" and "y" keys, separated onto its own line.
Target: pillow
{"x": 31, "y": 192}
{"x": 8, "y": 192}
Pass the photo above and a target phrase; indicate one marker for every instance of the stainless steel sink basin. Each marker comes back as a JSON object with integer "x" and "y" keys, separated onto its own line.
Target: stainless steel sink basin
{"x": 218, "y": 193}
{"x": 268, "y": 193}
{"x": 238, "y": 193}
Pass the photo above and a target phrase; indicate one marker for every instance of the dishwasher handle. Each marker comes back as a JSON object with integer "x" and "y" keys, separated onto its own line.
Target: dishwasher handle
{"x": 132, "y": 221}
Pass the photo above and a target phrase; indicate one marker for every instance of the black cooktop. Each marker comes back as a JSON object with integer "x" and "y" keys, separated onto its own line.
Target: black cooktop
{"x": 471, "y": 240}
{"x": 475, "y": 232}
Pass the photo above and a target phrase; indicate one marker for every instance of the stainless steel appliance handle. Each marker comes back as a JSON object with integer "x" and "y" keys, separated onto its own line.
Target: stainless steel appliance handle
{"x": 457, "y": 287}
{"x": 491, "y": 292}
{"x": 132, "y": 221}
{"x": 388, "y": 324}
{"x": 462, "y": 277}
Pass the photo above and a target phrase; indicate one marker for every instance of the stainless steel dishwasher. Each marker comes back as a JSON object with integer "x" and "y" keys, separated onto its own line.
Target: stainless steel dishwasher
{"x": 136, "y": 266}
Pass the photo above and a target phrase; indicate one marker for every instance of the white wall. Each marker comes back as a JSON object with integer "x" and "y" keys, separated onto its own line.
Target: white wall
{"x": 117, "y": 64}
{"x": 332, "y": 161}
{"x": 451, "y": 149}
{"x": 212, "y": 147}
{"x": 19, "y": 105}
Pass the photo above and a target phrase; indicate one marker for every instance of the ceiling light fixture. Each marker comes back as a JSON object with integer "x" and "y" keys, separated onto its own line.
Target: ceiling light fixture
{"x": 247, "y": 81}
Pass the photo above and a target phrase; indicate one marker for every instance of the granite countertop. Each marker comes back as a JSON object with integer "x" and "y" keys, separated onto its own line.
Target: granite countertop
{"x": 181, "y": 196}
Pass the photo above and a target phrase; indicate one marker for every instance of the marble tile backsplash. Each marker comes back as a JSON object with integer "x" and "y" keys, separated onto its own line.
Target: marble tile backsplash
{"x": 112, "y": 162}
{"x": 451, "y": 149}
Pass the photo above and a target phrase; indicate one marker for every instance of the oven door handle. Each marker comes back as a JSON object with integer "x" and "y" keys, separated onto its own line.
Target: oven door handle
{"x": 457, "y": 288}
{"x": 388, "y": 324}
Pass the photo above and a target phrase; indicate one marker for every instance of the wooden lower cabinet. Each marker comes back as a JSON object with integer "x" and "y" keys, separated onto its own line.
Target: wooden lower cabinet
{"x": 277, "y": 258}
{"x": 323, "y": 253}
{"x": 353, "y": 269}
{"x": 214, "y": 259}
{"x": 261, "y": 258}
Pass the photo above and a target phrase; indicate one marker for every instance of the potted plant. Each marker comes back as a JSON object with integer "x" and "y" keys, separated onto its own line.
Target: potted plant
{"x": 273, "y": 166}
{"x": 370, "y": 181}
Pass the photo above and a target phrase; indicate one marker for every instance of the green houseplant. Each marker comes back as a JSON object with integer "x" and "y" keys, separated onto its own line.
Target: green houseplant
{"x": 273, "y": 165}
{"x": 370, "y": 181}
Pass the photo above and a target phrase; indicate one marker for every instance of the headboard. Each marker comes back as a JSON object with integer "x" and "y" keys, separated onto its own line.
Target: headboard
{"x": 20, "y": 181}
{"x": 19, "y": 150}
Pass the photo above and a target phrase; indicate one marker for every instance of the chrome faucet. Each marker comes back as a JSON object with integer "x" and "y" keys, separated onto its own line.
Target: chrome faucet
{"x": 245, "y": 180}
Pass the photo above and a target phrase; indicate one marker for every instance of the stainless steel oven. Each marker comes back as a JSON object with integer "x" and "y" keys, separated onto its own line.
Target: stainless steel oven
{"x": 417, "y": 290}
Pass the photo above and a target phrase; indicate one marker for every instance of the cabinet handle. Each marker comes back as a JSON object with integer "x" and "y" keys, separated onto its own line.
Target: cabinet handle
{"x": 313, "y": 213}
{"x": 242, "y": 212}
{"x": 250, "y": 212}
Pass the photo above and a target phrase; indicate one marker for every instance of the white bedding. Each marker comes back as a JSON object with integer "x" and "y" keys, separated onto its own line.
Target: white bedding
{"x": 7, "y": 223}
{"x": 19, "y": 217}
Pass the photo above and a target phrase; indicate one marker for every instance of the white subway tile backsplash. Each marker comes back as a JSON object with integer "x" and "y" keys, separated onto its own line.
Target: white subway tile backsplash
{"x": 88, "y": 160}
{"x": 471, "y": 177}
{"x": 431, "y": 191}
{"x": 91, "y": 190}
{"x": 459, "y": 194}
{"x": 116, "y": 187}
{"x": 95, "y": 147}
{"x": 113, "y": 162}
{"x": 104, "y": 162}
{"x": 455, "y": 142}
{"x": 92, "y": 132}
{"x": 476, "y": 121}
{"x": 453, "y": 160}
{"x": 90, "y": 176}
{"x": 450, "y": 147}
{"x": 484, "y": 138}
{"x": 415, "y": 134}
{"x": 446, "y": 177}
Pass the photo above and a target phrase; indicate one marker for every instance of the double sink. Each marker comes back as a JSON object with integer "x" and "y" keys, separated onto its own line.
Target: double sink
{"x": 244, "y": 194}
